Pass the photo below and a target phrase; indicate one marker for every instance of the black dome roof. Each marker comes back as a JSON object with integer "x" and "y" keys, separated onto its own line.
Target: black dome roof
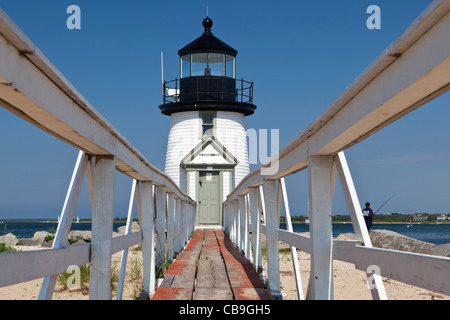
{"x": 207, "y": 42}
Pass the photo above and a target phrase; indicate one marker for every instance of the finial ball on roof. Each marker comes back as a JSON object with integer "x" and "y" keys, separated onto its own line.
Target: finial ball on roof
{"x": 207, "y": 24}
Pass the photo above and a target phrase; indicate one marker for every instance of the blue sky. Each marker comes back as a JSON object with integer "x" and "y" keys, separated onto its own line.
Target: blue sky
{"x": 300, "y": 54}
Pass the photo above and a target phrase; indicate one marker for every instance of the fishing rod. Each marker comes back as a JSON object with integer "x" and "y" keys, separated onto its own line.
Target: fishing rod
{"x": 384, "y": 204}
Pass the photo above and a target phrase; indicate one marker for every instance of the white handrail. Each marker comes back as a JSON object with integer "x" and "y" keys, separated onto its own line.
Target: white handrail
{"x": 404, "y": 77}
{"x": 25, "y": 73}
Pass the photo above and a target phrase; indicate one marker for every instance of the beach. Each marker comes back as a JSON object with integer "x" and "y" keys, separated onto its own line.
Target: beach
{"x": 30, "y": 290}
{"x": 349, "y": 283}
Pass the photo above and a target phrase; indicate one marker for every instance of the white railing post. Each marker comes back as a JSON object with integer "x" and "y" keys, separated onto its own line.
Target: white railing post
{"x": 148, "y": 237}
{"x": 193, "y": 217}
{"x": 177, "y": 239}
{"x": 188, "y": 220}
{"x": 298, "y": 279}
{"x": 123, "y": 263}
{"x": 319, "y": 179}
{"x": 248, "y": 246}
{"x": 359, "y": 226}
{"x": 170, "y": 225}
{"x": 262, "y": 203}
{"x": 256, "y": 236}
{"x": 70, "y": 203}
{"x": 242, "y": 215}
{"x": 225, "y": 218}
{"x": 191, "y": 220}
{"x": 189, "y": 226}
{"x": 229, "y": 219}
{"x": 238, "y": 224}
{"x": 161, "y": 196}
{"x": 182, "y": 224}
{"x": 351, "y": 198}
{"x": 232, "y": 222}
{"x": 102, "y": 225}
{"x": 272, "y": 226}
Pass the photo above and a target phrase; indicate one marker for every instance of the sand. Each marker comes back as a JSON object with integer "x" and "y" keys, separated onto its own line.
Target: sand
{"x": 349, "y": 283}
{"x": 30, "y": 290}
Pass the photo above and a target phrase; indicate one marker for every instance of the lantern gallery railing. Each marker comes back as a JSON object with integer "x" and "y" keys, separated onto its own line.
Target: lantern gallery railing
{"x": 25, "y": 74}
{"x": 408, "y": 74}
{"x": 208, "y": 89}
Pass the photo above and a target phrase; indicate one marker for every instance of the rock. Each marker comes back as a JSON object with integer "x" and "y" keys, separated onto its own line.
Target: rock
{"x": 81, "y": 241}
{"x": 134, "y": 228}
{"x": 85, "y": 236}
{"x": 441, "y": 250}
{"x": 9, "y": 240}
{"x": 394, "y": 241}
{"x": 76, "y": 235}
{"x": 38, "y": 239}
{"x": 47, "y": 244}
{"x": 347, "y": 236}
{"x": 40, "y": 236}
{"x": 29, "y": 242}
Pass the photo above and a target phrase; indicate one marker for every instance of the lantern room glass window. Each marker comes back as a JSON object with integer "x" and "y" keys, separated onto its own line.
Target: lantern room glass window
{"x": 230, "y": 66}
{"x": 216, "y": 64}
{"x": 208, "y": 64}
{"x": 186, "y": 66}
{"x": 199, "y": 65}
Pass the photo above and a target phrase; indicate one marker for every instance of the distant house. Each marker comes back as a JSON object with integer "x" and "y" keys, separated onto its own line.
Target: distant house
{"x": 419, "y": 218}
{"x": 442, "y": 217}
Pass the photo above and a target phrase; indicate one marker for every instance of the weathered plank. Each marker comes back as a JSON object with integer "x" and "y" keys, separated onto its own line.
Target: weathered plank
{"x": 428, "y": 272}
{"x": 102, "y": 226}
{"x": 19, "y": 267}
{"x": 231, "y": 277}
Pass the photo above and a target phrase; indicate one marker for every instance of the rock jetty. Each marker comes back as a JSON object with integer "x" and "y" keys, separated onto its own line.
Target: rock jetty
{"x": 45, "y": 239}
{"x": 394, "y": 241}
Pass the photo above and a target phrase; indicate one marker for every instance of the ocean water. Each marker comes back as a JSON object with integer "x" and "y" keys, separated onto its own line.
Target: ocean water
{"x": 27, "y": 229}
{"x": 433, "y": 233}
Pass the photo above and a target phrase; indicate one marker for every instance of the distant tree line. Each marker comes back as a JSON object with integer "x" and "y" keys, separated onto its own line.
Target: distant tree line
{"x": 394, "y": 217}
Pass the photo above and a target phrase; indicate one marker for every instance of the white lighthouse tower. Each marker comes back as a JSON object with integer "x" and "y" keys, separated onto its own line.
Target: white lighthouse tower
{"x": 207, "y": 152}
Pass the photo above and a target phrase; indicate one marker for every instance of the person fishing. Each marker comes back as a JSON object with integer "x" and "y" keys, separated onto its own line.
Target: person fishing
{"x": 368, "y": 215}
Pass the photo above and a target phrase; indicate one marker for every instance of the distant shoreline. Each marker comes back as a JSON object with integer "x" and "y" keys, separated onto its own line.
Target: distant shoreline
{"x": 383, "y": 222}
{"x": 395, "y": 222}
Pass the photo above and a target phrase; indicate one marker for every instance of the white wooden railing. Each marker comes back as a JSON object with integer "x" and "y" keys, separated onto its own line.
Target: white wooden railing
{"x": 32, "y": 88}
{"x": 413, "y": 70}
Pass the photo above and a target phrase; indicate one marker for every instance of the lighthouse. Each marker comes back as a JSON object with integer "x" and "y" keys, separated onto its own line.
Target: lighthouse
{"x": 207, "y": 151}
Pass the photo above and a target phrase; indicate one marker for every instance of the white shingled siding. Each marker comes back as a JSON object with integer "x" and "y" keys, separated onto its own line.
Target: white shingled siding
{"x": 231, "y": 133}
{"x": 184, "y": 135}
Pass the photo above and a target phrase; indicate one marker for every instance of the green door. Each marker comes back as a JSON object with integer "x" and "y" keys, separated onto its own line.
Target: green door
{"x": 209, "y": 197}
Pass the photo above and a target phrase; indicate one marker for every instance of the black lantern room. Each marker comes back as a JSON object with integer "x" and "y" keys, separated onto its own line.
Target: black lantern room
{"x": 208, "y": 79}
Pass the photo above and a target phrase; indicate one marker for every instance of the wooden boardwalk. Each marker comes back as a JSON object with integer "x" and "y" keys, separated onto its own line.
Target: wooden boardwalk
{"x": 211, "y": 268}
